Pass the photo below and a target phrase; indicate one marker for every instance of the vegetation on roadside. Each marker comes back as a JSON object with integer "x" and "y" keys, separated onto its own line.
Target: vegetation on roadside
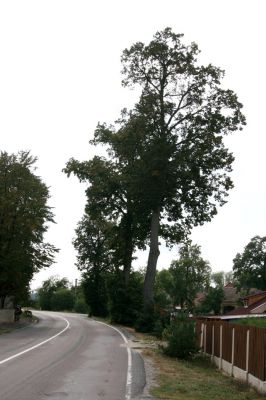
{"x": 249, "y": 266}
{"x": 166, "y": 169}
{"x": 260, "y": 322}
{"x": 57, "y": 294}
{"x": 195, "y": 379}
{"x": 180, "y": 338}
{"x": 24, "y": 218}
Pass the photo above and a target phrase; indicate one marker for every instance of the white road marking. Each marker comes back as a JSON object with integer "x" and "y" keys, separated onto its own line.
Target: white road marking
{"x": 39, "y": 344}
{"x": 129, "y": 361}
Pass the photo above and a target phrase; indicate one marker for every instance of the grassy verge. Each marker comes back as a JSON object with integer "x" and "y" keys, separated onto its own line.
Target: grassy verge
{"x": 259, "y": 322}
{"x": 197, "y": 379}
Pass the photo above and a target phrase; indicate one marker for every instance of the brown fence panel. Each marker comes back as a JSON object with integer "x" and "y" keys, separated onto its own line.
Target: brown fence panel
{"x": 257, "y": 345}
{"x": 227, "y": 341}
{"x": 198, "y": 330}
{"x": 257, "y": 352}
{"x": 209, "y": 325}
{"x": 216, "y": 325}
{"x": 240, "y": 352}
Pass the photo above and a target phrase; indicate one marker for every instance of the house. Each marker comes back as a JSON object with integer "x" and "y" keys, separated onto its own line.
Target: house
{"x": 252, "y": 304}
{"x": 231, "y": 298}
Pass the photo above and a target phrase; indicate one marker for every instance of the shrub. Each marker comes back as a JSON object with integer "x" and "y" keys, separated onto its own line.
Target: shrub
{"x": 146, "y": 321}
{"x": 95, "y": 293}
{"x": 180, "y": 337}
{"x": 158, "y": 328}
{"x": 80, "y": 306}
{"x": 125, "y": 301}
{"x": 62, "y": 300}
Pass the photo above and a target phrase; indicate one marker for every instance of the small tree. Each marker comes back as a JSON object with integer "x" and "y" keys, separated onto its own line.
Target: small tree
{"x": 187, "y": 275}
{"x": 212, "y": 302}
{"x": 190, "y": 274}
{"x": 180, "y": 337}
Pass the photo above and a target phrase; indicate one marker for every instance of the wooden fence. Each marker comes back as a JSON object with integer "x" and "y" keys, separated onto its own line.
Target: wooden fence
{"x": 234, "y": 345}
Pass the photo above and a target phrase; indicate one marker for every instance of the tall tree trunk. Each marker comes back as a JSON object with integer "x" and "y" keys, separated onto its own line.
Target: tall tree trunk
{"x": 127, "y": 247}
{"x": 128, "y": 260}
{"x": 154, "y": 252}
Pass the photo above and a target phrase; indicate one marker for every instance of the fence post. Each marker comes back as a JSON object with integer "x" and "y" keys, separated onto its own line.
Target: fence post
{"x": 205, "y": 337}
{"x": 247, "y": 354}
{"x": 201, "y": 335}
{"x": 212, "y": 341}
{"x": 264, "y": 354}
{"x": 233, "y": 351}
{"x": 221, "y": 346}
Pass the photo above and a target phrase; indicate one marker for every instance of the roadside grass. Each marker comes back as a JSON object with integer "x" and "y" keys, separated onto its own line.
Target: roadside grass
{"x": 259, "y": 322}
{"x": 196, "y": 379}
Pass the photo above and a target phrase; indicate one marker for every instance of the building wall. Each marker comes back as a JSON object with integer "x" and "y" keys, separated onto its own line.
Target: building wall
{"x": 6, "y": 316}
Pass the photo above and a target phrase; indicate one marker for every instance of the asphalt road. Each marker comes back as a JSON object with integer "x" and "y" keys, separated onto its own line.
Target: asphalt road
{"x": 68, "y": 356}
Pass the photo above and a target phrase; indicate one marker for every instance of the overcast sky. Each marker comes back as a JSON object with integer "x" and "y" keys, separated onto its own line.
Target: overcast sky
{"x": 60, "y": 75}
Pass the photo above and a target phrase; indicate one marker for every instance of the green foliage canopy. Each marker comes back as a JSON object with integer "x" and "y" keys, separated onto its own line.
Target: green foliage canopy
{"x": 187, "y": 275}
{"x": 191, "y": 274}
{"x": 212, "y": 302}
{"x": 180, "y": 338}
{"x": 24, "y": 215}
{"x": 249, "y": 267}
{"x": 62, "y": 300}
{"x": 49, "y": 287}
{"x": 185, "y": 113}
{"x": 95, "y": 245}
{"x": 111, "y": 192}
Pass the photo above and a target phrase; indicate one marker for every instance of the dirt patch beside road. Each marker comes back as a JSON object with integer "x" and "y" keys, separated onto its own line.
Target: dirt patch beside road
{"x": 7, "y": 327}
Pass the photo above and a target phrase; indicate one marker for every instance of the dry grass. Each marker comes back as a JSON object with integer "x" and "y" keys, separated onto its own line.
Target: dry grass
{"x": 195, "y": 380}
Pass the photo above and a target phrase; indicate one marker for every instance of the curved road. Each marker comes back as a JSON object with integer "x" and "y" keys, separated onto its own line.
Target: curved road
{"x": 68, "y": 356}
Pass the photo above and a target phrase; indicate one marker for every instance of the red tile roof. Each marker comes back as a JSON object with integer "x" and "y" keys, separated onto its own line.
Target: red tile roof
{"x": 247, "y": 310}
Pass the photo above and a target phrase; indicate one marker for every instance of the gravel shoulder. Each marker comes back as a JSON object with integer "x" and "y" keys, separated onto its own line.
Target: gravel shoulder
{"x": 142, "y": 344}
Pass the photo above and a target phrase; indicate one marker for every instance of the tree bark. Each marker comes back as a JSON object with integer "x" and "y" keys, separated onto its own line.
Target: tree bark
{"x": 148, "y": 292}
{"x": 128, "y": 247}
{"x": 128, "y": 260}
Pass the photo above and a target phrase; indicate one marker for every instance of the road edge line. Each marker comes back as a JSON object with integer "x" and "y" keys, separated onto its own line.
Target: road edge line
{"x": 37, "y": 345}
{"x": 129, "y": 360}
